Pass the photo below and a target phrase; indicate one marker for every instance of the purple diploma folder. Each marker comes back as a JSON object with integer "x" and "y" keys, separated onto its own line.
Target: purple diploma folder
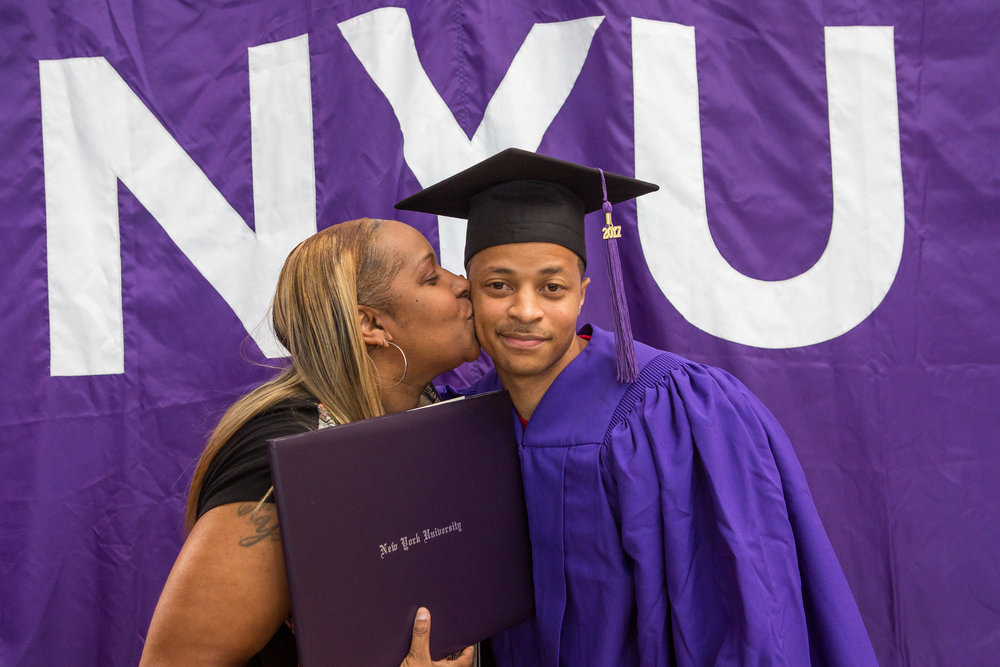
{"x": 417, "y": 508}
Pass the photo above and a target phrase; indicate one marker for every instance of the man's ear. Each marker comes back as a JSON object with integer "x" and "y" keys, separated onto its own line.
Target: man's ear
{"x": 583, "y": 293}
{"x": 371, "y": 332}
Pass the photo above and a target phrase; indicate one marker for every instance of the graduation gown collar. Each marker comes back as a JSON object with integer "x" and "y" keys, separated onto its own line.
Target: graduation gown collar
{"x": 579, "y": 405}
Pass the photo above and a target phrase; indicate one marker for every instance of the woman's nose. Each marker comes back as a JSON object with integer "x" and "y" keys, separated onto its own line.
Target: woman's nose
{"x": 459, "y": 284}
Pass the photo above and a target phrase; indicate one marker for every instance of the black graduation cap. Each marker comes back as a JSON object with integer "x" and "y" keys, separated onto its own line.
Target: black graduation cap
{"x": 517, "y": 196}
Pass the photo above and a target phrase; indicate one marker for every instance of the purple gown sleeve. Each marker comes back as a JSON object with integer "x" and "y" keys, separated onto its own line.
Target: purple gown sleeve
{"x": 731, "y": 562}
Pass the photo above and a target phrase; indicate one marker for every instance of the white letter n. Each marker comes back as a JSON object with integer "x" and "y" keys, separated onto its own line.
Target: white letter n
{"x": 96, "y": 131}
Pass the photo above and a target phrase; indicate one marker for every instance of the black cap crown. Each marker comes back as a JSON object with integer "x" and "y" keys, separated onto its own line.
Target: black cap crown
{"x": 518, "y": 196}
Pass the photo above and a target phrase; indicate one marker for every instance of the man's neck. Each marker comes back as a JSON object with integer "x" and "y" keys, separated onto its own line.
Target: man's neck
{"x": 526, "y": 391}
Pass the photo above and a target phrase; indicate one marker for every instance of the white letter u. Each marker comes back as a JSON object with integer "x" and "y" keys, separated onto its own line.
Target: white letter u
{"x": 860, "y": 261}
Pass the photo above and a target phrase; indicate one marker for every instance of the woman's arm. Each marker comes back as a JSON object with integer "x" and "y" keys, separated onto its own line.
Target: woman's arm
{"x": 227, "y": 593}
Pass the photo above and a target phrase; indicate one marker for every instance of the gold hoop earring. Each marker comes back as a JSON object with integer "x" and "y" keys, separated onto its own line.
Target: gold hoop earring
{"x": 405, "y": 365}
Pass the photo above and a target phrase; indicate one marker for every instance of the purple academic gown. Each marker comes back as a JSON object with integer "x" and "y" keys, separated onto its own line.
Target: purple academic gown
{"x": 671, "y": 523}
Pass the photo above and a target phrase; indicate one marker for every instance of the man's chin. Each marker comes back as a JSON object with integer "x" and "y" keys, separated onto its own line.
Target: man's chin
{"x": 517, "y": 365}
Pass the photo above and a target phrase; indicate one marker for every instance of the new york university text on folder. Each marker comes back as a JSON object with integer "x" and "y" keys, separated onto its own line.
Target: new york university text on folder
{"x": 417, "y": 508}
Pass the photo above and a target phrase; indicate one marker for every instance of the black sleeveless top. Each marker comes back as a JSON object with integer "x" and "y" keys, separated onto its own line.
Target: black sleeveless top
{"x": 240, "y": 472}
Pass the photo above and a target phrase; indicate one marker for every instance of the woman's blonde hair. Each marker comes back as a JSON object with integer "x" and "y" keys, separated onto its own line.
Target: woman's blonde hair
{"x": 315, "y": 316}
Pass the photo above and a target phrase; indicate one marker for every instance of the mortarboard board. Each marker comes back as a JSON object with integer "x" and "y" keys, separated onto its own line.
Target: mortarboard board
{"x": 517, "y": 196}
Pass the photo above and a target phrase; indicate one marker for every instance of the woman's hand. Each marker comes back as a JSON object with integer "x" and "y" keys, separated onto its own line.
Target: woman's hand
{"x": 420, "y": 646}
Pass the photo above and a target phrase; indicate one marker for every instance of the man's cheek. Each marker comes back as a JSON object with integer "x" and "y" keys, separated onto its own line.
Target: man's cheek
{"x": 482, "y": 331}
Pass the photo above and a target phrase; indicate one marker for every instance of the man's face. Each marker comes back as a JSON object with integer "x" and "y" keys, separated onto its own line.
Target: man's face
{"x": 526, "y": 298}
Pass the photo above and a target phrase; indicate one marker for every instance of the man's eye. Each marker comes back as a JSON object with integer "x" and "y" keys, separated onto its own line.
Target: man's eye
{"x": 432, "y": 279}
{"x": 497, "y": 285}
{"x": 552, "y": 287}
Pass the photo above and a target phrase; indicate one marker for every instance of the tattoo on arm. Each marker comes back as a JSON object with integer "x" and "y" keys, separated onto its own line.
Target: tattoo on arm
{"x": 264, "y": 522}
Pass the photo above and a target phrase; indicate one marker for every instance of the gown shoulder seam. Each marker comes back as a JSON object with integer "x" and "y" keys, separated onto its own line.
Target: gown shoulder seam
{"x": 653, "y": 371}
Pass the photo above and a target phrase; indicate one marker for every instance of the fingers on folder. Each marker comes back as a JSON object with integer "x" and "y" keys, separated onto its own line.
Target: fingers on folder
{"x": 420, "y": 646}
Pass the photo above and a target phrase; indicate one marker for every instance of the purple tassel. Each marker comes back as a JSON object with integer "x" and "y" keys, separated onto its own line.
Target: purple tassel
{"x": 627, "y": 367}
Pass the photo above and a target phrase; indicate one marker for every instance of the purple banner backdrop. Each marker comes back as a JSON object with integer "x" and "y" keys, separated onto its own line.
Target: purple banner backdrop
{"x": 894, "y": 414}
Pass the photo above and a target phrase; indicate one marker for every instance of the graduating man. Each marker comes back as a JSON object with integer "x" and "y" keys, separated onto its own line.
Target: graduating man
{"x": 669, "y": 518}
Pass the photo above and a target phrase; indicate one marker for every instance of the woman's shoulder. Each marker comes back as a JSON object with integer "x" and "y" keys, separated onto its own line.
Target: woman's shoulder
{"x": 240, "y": 470}
{"x": 297, "y": 414}
{"x": 285, "y": 418}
